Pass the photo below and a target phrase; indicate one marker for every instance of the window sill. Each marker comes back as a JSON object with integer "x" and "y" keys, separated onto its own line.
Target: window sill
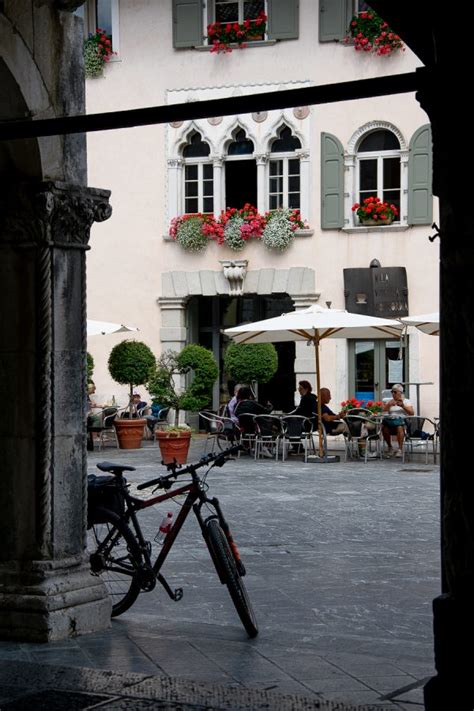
{"x": 255, "y": 43}
{"x": 298, "y": 233}
{"x": 376, "y": 228}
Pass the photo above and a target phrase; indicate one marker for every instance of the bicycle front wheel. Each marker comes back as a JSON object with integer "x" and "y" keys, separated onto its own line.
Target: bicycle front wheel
{"x": 114, "y": 554}
{"x": 226, "y": 567}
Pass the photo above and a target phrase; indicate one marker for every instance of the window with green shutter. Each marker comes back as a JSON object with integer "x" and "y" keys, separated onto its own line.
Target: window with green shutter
{"x": 189, "y": 20}
{"x": 187, "y": 23}
{"x": 420, "y": 194}
{"x": 334, "y": 19}
{"x": 332, "y": 182}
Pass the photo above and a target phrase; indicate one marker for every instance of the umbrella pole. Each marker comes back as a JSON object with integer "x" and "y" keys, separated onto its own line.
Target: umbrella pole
{"x": 318, "y": 390}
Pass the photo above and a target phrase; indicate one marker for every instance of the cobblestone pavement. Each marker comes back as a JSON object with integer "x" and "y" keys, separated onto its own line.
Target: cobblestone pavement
{"x": 342, "y": 561}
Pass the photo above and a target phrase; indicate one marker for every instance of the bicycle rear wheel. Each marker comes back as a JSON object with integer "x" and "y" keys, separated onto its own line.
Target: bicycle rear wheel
{"x": 226, "y": 568}
{"x": 115, "y": 555}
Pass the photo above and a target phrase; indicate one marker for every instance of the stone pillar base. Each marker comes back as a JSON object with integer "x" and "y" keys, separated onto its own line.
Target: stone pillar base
{"x": 452, "y": 688}
{"x": 46, "y": 601}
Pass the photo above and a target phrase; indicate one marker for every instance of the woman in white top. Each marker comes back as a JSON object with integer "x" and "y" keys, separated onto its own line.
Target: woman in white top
{"x": 397, "y": 408}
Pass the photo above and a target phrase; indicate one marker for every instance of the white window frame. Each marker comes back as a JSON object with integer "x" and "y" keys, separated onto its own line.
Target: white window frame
{"x": 90, "y": 23}
{"x": 379, "y": 156}
{"x": 209, "y": 16}
{"x": 285, "y": 157}
{"x": 199, "y": 162}
{"x": 351, "y": 173}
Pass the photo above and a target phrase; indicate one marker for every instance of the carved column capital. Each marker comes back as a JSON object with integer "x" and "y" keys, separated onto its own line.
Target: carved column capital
{"x": 261, "y": 158}
{"x": 51, "y": 214}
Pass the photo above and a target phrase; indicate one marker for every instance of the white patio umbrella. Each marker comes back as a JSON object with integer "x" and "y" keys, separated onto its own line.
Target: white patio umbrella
{"x": 97, "y": 328}
{"x": 313, "y": 325}
{"x": 428, "y": 323}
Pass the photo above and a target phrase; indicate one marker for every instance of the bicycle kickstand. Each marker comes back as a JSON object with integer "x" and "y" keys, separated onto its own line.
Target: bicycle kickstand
{"x": 174, "y": 595}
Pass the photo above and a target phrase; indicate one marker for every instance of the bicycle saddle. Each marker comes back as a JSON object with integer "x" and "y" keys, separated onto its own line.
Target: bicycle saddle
{"x": 114, "y": 468}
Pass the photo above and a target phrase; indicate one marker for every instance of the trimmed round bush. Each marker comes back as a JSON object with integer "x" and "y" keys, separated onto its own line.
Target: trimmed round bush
{"x": 130, "y": 363}
{"x": 245, "y": 362}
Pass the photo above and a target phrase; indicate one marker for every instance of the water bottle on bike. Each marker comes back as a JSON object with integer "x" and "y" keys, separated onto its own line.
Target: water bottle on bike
{"x": 164, "y": 529}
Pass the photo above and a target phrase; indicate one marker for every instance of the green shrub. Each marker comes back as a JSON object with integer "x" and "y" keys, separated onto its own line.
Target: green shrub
{"x": 192, "y": 358}
{"x": 247, "y": 362}
{"x": 130, "y": 363}
{"x": 89, "y": 367}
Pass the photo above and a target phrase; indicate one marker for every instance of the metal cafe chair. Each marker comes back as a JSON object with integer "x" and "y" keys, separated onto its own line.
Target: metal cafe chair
{"x": 297, "y": 433}
{"x": 269, "y": 431}
{"x": 219, "y": 430}
{"x": 107, "y": 432}
{"x": 362, "y": 436}
{"x": 417, "y": 440}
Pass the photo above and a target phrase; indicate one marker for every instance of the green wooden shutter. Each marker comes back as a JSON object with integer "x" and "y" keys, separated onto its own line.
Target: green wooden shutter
{"x": 187, "y": 23}
{"x": 334, "y": 19}
{"x": 283, "y": 19}
{"x": 332, "y": 182}
{"x": 420, "y": 192}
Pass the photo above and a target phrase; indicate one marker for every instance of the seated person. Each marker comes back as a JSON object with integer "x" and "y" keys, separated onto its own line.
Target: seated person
{"x": 137, "y": 405}
{"x": 153, "y": 417}
{"x": 333, "y": 423}
{"x": 397, "y": 408}
{"x": 232, "y": 404}
{"x": 308, "y": 404}
{"x": 94, "y": 410}
{"x": 247, "y": 405}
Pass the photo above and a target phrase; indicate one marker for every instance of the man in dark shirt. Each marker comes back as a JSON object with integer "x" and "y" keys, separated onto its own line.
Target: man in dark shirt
{"x": 333, "y": 423}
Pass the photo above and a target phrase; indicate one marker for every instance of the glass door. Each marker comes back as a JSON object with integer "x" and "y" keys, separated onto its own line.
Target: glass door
{"x": 374, "y": 366}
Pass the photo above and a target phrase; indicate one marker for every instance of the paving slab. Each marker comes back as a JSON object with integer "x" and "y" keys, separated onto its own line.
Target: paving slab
{"x": 343, "y": 563}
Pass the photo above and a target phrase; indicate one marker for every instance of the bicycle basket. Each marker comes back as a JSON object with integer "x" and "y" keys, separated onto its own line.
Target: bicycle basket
{"x": 103, "y": 492}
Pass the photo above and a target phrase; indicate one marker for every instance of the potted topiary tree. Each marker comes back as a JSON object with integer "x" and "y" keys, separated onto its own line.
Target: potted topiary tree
{"x": 163, "y": 386}
{"x": 251, "y": 362}
{"x": 129, "y": 364}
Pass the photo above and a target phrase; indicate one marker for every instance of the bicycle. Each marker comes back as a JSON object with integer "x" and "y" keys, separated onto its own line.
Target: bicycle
{"x": 121, "y": 555}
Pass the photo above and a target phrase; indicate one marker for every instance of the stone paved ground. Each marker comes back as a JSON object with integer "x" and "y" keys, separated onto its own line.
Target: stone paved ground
{"x": 343, "y": 563}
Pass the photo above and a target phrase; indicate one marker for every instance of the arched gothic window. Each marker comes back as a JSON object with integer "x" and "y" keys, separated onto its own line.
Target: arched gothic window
{"x": 378, "y": 167}
{"x": 284, "y": 180}
{"x": 198, "y": 176}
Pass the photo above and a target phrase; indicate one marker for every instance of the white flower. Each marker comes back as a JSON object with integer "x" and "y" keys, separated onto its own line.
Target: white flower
{"x": 278, "y": 232}
{"x": 189, "y": 235}
{"x": 232, "y": 233}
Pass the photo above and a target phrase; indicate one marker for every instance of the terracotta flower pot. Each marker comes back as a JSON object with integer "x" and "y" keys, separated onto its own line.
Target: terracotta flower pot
{"x": 129, "y": 432}
{"x": 173, "y": 445}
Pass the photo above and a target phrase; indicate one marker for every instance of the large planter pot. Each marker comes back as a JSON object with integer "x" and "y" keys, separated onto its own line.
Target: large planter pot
{"x": 173, "y": 446}
{"x": 129, "y": 432}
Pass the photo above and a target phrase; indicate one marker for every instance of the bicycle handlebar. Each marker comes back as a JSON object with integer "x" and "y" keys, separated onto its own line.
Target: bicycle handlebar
{"x": 220, "y": 458}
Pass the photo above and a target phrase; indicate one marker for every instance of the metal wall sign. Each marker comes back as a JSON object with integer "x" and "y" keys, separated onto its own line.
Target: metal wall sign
{"x": 376, "y": 291}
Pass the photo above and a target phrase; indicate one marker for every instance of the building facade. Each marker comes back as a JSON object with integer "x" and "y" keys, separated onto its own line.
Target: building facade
{"x": 318, "y": 159}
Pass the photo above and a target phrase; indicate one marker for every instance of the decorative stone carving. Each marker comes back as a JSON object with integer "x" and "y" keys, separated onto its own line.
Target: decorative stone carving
{"x": 301, "y": 112}
{"x": 235, "y": 271}
{"x": 214, "y": 120}
{"x": 176, "y": 124}
{"x": 260, "y": 116}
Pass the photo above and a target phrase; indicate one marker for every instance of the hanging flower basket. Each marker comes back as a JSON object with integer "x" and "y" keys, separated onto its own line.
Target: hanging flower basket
{"x": 370, "y": 33}
{"x": 97, "y": 52}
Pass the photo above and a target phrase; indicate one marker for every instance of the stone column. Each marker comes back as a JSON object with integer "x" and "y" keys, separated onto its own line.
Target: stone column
{"x": 305, "y": 365}
{"x": 173, "y": 329}
{"x": 305, "y": 183}
{"x": 217, "y": 163}
{"x": 47, "y": 590}
{"x": 174, "y": 192}
{"x": 453, "y": 610}
{"x": 262, "y": 160}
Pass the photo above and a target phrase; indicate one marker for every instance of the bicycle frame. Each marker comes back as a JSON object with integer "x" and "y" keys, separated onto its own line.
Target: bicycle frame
{"x": 195, "y": 499}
